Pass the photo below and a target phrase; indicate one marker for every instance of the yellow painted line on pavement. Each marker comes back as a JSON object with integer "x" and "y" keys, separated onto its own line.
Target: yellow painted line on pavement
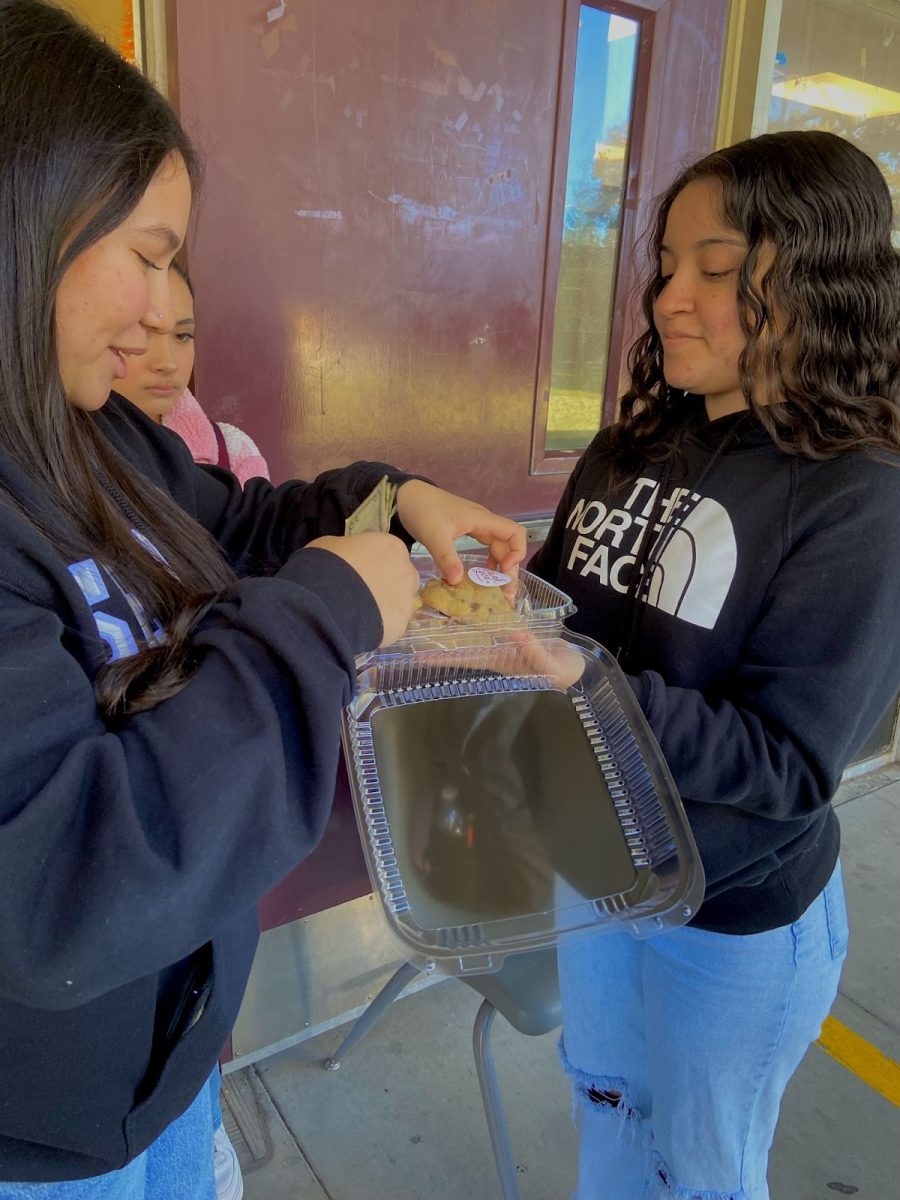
{"x": 859, "y": 1056}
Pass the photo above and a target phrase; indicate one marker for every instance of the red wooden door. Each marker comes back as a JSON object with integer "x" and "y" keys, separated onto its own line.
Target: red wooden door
{"x": 377, "y": 250}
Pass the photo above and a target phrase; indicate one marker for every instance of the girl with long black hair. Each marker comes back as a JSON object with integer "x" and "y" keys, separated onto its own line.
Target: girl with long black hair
{"x": 734, "y": 538}
{"x": 141, "y": 598}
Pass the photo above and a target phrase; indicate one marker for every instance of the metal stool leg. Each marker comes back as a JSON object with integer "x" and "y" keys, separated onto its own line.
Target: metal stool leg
{"x": 493, "y": 1105}
{"x": 379, "y": 1005}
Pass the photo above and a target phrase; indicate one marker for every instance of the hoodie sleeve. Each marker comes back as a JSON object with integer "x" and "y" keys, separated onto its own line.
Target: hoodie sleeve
{"x": 818, "y": 670}
{"x": 124, "y": 850}
{"x": 260, "y": 525}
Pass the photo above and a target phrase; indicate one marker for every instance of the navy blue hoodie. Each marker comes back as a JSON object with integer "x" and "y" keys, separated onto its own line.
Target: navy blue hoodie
{"x": 131, "y": 861}
{"x": 766, "y": 648}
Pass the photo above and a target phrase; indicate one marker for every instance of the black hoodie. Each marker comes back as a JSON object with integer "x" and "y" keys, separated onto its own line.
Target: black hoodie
{"x": 768, "y": 646}
{"x": 131, "y": 861}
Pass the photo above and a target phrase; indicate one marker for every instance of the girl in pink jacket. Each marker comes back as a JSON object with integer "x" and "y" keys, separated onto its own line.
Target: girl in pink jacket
{"x": 157, "y": 382}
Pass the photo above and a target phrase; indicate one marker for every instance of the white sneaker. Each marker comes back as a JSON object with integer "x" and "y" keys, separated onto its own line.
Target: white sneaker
{"x": 229, "y": 1181}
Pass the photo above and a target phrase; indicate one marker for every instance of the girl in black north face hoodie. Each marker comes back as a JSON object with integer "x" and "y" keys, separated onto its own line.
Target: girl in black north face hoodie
{"x": 735, "y": 540}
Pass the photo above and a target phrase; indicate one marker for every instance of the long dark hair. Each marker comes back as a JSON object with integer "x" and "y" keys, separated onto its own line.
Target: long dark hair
{"x": 82, "y": 134}
{"x": 832, "y": 361}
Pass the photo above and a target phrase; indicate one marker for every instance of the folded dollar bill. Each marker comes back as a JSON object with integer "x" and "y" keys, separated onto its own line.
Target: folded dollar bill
{"x": 376, "y": 512}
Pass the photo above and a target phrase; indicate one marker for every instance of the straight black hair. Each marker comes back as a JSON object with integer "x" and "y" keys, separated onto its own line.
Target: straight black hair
{"x": 82, "y": 134}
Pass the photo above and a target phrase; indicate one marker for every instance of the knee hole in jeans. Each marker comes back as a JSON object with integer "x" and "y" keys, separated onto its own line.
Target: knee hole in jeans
{"x": 610, "y": 1096}
{"x": 601, "y": 1094}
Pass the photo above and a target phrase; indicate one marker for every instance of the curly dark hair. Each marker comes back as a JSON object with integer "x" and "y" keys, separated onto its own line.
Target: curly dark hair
{"x": 833, "y": 359}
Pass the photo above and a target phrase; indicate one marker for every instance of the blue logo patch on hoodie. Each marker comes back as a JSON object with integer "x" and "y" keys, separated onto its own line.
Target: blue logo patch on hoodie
{"x": 122, "y": 637}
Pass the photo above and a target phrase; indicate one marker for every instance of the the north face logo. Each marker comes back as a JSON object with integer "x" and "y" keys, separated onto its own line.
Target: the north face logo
{"x": 697, "y": 563}
{"x": 695, "y": 570}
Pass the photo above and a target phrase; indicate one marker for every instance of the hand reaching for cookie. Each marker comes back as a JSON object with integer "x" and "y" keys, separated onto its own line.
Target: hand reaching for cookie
{"x": 435, "y": 517}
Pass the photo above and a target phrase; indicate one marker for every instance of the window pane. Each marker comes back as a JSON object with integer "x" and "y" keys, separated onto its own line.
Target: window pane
{"x": 838, "y": 69}
{"x": 598, "y": 150}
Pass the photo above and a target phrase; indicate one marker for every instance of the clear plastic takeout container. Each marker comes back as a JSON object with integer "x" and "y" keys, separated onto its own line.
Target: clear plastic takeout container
{"x": 509, "y": 791}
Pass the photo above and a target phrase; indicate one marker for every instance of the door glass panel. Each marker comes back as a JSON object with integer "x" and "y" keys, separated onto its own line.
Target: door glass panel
{"x": 598, "y": 154}
{"x": 837, "y": 68}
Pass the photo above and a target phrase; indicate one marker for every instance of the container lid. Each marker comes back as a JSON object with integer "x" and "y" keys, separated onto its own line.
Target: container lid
{"x": 511, "y": 793}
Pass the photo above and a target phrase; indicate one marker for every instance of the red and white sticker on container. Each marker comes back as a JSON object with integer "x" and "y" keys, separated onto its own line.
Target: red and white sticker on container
{"x": 487, "y": 578}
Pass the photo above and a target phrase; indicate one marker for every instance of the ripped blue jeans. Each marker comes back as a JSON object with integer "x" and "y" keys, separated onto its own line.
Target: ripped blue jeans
{"x": 681, "y": 1046}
